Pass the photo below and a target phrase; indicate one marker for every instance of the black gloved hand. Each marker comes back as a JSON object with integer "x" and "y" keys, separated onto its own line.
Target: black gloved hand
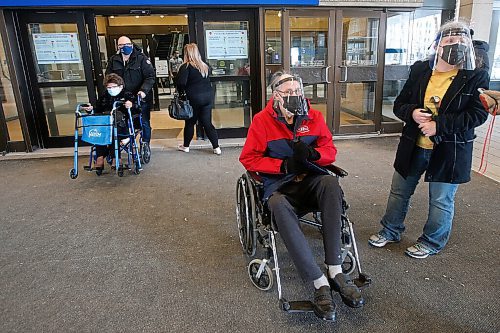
{"x": 302, "y": 151}
{"x": 292, "y": 165}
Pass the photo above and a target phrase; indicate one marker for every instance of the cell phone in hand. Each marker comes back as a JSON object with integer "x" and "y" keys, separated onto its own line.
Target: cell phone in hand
{"x": 426, "y": 110}
{"x": 481, "y": 90}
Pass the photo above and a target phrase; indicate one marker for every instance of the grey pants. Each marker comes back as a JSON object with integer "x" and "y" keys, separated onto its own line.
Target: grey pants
{"x": 317, "y": 192}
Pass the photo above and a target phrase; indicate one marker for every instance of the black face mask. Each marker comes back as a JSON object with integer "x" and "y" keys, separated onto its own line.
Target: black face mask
{"x": 294, "y": 104}
{"x": 454, "y": 53}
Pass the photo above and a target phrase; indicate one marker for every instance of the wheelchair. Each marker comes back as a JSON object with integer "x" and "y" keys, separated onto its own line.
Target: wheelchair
{"x": 256, "y": 227}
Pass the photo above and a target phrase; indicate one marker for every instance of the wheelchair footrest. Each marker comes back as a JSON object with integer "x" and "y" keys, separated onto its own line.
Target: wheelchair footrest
{"x": 87, "y": 168}
{"x": 362, "y": 281}
{"x": 297, "y": 306}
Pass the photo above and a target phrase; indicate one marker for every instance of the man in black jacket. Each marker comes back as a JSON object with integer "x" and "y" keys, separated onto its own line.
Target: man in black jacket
{"x": 440, "y": 106}
{"x": 481, "y": 49}
{"x": 139, "y": 75}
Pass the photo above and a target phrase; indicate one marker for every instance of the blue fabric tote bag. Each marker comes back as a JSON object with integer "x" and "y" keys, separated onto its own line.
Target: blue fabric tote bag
{"x": 97, "y": 130}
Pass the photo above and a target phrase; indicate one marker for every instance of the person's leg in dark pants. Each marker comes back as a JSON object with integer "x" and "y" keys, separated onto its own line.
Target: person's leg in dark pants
{"x": 323, "y": 192}
{"x": 200, "y": 132}
{"x": 289, "y": 229}
{"x": 146, "y": 122}
{"x": 205, "y": 116}
{"x": 285, "y": 215}
{"x": 189, "y": 127}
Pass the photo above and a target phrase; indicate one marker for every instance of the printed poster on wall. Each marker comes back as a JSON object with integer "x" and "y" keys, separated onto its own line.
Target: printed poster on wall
{"x": 227, "y": 44}
{"x": 57, "y": 48}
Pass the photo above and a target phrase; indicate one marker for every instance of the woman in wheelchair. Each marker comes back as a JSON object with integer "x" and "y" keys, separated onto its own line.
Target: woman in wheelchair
{"x": 114, "y": 92}
{"x": 288, "y": 143}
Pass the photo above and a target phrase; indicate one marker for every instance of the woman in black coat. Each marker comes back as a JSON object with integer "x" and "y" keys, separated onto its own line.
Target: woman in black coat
{"x": 440, "y": 106}
{"x": 193, "y": 81}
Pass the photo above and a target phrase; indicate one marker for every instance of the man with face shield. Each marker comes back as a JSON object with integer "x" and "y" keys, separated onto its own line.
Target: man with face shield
{"x": 287, "y": 143}
{"x": 440, "y": 106}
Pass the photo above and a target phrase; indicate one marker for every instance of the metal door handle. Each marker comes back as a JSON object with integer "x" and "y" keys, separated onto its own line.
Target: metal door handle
{"x": 345, "y": 74}
{"x": 327, "y": 71}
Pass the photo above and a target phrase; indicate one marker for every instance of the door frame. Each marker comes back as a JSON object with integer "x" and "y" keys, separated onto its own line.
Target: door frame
{"x": 63, "y": 17}
{"x": 297, "y": 12}
{"x": 196, "y": 34}
{"x": 379, "y": 83}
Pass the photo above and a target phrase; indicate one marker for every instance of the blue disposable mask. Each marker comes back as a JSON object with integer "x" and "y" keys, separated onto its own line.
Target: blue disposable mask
{"x": 114, "y": 91}
{"x": 126, "y": 49}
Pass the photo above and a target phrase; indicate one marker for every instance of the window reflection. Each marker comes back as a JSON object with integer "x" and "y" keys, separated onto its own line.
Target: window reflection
{"x": 408, "y": 38}
{"x": 8, "y": 102}
{"x": 495, "y": 69}
{"x": 360, "y": 46}
{"x": 274, "y": 48}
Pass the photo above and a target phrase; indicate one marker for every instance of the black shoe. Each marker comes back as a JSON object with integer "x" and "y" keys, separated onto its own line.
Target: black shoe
{"x": 98, "y": 170}
{"x": 351, "y": 296}
{"x": 323, "y": 304}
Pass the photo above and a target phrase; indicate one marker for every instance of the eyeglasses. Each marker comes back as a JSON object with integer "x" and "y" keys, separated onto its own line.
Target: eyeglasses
{"x": 289, "y": 92}
{"x": 126, "y": 44}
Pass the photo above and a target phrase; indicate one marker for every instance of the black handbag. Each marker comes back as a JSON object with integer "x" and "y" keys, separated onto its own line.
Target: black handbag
{"x": 180, "y": 108}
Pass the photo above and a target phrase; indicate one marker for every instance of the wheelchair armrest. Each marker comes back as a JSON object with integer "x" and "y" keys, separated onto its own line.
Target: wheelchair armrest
{"x": 255, "y": 178}
{"x": 336, "y": 170}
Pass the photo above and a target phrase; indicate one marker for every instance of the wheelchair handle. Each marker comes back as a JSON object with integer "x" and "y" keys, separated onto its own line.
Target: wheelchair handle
{"x": 80, "y": 105}
{"x": 117, "y": 104}
{"x": 336, "y": 170}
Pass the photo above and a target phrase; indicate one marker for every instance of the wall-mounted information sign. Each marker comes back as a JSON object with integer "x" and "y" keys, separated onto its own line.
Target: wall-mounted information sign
{"x": 57, "y": 48}
{"x": 227, "y": 44}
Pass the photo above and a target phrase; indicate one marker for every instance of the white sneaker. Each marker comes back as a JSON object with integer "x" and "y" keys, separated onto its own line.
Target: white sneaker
{"x": 182, "y": 148}
{"x": 125, "y": 141}
{"x": 217, "y": 151}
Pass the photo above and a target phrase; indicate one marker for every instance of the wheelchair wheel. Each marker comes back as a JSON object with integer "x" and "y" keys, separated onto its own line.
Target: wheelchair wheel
{"x": 349, "y": 263}
{"x": 241, "y": 212}
{"x": 246, "y": 216}
{"x": 265, "y": 281}
{"x": 145, "y": 153}
{"x": 73, "y": 174}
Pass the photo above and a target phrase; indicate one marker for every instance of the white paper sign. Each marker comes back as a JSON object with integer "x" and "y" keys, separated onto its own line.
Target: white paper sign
{"x": 227, "y": 44}
{"x": 57, "y": 48}
{"x": 161, "y": 67}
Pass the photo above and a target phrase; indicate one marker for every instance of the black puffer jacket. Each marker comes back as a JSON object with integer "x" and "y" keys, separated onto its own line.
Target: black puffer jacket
{"x": 138, "y": 73}
{"x": 481, "y": 49}
{"x": 460, "y": 112}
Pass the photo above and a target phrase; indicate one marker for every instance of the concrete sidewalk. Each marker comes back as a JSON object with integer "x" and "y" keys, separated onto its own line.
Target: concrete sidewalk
{"x": 159, "y": 252}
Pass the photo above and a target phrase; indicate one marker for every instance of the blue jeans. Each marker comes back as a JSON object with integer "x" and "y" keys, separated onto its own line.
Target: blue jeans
{"x": 441, "y": 205}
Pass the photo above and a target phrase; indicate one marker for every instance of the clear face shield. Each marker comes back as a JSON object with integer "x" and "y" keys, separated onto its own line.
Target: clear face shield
{"x": 454, "y": 47}
{"x": 291, "y": 96}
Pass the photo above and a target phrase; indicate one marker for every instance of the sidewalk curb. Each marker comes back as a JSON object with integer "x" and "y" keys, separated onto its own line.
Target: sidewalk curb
{"x": 160, "y": 145}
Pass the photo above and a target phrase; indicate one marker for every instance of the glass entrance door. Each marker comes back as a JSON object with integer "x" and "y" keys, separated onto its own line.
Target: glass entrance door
{"x": 358, "y": 102}
{"x": 226, "y": 40}
{"x": 59, "y": 65}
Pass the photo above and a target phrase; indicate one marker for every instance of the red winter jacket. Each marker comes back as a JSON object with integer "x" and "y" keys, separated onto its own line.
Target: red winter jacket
{"x": 269, "y": 139}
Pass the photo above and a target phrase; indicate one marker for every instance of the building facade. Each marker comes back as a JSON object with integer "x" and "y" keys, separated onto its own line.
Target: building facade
{"x": 353, "y": 56}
